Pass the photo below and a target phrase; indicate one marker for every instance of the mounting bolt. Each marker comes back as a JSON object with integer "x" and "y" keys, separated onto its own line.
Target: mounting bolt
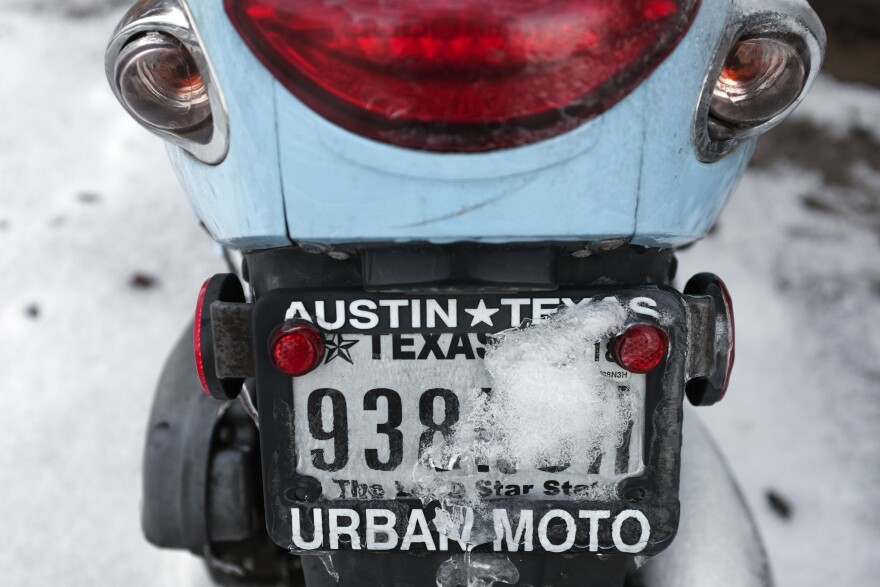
{"x": 301, "y": 493}
{"x": 314, "y": 248}
{"x": 635, "y": 494}
{"x": 610, "y": 244}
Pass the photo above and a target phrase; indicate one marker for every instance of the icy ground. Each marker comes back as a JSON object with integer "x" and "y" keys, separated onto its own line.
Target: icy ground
{"x": 100, "y": 263}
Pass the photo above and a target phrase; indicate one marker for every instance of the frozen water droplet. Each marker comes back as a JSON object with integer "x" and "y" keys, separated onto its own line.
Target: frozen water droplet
{"x": 476, "y": 570}
{"x": 327, "y": 560}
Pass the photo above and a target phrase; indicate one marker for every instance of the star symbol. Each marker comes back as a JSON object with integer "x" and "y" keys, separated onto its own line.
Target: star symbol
{"x": 339, "y": 347}
{"x": 482, "y": 314}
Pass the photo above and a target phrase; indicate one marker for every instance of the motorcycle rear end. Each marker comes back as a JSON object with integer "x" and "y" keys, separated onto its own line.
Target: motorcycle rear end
{"x": 449, "y": 350}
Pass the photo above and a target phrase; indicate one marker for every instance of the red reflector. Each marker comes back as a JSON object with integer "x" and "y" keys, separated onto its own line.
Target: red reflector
{"x": 641, "y": 348}
{"x": 197, "y": 337}
{"x": 296, "y": 348}
{"x": 461, "y": 75}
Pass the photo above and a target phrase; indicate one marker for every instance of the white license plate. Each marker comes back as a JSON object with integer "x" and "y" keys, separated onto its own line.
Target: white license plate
{"x": 384, "y": 408}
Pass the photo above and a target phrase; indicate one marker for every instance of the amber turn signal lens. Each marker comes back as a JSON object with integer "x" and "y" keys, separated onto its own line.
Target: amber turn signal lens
{"x": 760, "y": 79}
{"x": 160, "y": 84}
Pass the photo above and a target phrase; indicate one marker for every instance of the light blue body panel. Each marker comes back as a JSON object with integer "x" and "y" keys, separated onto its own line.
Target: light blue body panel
{"x": 367, "y": 191}
{"x": 240, "y": 200}
{"x": 632, "y": 172}
{"x": 680, "y": 196}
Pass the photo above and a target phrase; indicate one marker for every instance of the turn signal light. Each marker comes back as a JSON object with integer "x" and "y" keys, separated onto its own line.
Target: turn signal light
{"x": 296, "y": 348}
{"x": 160, "y": 84}
{"x": 760, "y": 79}
{"x": 641, "y": 348}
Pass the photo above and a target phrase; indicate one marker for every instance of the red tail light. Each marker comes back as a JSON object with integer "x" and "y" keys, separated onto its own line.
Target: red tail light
{"x": 641, "y": 348}
{"x": 296, "y": 348}
{"x": 223, "y": 287}
{"x": 461, "y": 75}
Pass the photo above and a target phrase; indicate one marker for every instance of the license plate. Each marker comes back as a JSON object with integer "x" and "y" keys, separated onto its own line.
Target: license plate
{"x": 379, "y": 420}
{"x": 416, "y": 406}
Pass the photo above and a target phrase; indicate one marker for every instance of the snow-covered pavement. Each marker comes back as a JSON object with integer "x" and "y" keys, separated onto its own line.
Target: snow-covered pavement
{"x": 87, "y": 202}
{"x": 100, "y": 261}
{"x": 800, "y": 257}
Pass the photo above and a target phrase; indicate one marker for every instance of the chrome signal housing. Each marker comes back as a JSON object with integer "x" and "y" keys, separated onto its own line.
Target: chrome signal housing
{"x": 763, "y": 68}
{"x": 159, "y": 72}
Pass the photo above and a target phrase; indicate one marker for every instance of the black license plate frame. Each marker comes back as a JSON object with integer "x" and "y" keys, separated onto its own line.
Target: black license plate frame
{"x": 653, "y": 493}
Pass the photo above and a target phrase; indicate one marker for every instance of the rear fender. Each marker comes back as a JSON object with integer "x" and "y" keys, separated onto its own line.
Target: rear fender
{"x": 717, "y": 542}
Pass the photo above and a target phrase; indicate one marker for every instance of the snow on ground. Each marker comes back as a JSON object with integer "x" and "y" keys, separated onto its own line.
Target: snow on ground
{"x": 101, "y": 261}
{"x": 798, "y": 247}
{"x": 800, "y": 418}
{"x": 87, "y": 203}
{"x": 841, "y": 108}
